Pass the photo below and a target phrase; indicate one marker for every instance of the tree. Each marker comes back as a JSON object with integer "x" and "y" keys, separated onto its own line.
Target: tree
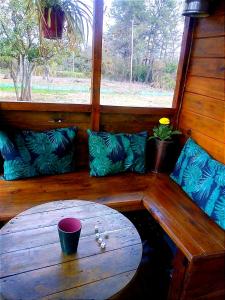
{"x": 156, "y": 34}
{"x": 161, "y": 33}
{"x": 22, "y": 47}
{"x": 118, "y": 38}
{"x": 19, "y": 44}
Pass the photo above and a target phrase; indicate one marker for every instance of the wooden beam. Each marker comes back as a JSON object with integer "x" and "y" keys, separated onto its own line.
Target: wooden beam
{"x": 137, "y": 110}
{"x": 35, "y": 106}
{"x": 183, "y": 62}
{"x": 179, "y": 269}
{"x": 96, "y": 64}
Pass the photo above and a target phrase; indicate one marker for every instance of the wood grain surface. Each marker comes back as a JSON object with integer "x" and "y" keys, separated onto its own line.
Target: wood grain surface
{"x": 210, "y": 87}
{"x": 203, "y": 108}
{"x": 185, "y": 223}
{"x": 33, "y": 266}
{"x": 17, "y": 196}
{"x": 96, "y": 64}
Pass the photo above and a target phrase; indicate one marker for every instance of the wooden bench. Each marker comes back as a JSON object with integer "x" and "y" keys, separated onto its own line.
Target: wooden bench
{"x": 200, "y": 260}
{"x": 16, "y": 196}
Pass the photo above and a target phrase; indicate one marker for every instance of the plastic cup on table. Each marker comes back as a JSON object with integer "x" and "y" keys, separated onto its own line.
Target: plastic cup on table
{"x": 69, "y": 233}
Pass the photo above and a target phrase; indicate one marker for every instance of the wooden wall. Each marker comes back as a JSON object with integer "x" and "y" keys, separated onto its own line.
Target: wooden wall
{"x": 45, "y": 120}
{"x": 203, "y": 105}
{"x": 36, "y": 116}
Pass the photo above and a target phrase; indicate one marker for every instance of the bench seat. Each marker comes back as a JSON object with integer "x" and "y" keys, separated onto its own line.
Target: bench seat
{"x": 17, "y": 196}
{"x": 188, "y": 226}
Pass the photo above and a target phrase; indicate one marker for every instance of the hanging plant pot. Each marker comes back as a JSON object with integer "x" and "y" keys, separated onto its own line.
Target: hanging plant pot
{"x": 163, "y": 155}
{"x": 52, "y": 22}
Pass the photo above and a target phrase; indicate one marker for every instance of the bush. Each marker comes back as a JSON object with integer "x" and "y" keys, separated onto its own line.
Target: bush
{"x": 168, "y": 82}
{"x": 72, "y": 74}
{"x": 4, "y": 71}
{"x": 171, "y": 68}
{"x": 139, "y": 73}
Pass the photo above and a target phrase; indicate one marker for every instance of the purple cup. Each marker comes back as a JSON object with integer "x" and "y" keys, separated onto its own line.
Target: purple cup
{"x": 69, "y": 233}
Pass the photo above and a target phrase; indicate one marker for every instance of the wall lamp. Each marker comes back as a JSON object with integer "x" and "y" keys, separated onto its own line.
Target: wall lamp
{"x": 196, "y": 8}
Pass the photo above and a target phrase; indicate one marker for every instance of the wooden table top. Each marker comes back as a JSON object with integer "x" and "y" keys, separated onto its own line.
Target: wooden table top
{"x": 33, "y": 265}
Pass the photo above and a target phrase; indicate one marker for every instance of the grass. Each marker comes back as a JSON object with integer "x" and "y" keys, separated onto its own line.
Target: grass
{"x": 42, "y": 90}
{"x": 70, "y": 90}
{"x": 64, "y": 91}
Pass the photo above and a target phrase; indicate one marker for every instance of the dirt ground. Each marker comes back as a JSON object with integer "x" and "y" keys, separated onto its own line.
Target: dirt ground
{"x": 76, "y": 90}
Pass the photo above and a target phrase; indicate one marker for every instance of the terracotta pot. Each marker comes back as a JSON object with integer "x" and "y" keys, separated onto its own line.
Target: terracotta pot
{"x": 163, "y": 153}
{"x": 52, "y": 23}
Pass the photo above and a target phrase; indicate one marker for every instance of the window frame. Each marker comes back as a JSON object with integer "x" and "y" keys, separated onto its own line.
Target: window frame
{"x": 95, "y": 108}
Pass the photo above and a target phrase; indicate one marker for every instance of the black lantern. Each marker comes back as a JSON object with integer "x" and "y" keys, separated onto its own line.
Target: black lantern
{"x": 196, "y": 8}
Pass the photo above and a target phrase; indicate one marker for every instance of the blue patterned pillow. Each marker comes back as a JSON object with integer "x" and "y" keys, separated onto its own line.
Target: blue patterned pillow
{"x": 114, "y": 153}
{"x": 203, "y": 179}
{"x": 29, "y": 153}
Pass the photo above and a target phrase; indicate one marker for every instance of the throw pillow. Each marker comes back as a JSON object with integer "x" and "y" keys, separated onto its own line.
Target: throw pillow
{"x": 114, "y": 153}
{"x": 203, "y": 179}
{"x": 29, "y": 153}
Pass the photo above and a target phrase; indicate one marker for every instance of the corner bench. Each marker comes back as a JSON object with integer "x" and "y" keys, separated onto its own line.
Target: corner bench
{"x": 198, "y": 268}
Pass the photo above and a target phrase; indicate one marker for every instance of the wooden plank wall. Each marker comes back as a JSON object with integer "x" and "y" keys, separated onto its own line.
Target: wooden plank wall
{"x": 112, "y": 119}
{"x": 45, "y": 120}
{"x": 203, "y": 107}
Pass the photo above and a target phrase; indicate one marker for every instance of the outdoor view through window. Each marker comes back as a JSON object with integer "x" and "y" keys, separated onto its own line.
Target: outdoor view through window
{"x": 141, "y": 47}
{"x": 38, "y": 69}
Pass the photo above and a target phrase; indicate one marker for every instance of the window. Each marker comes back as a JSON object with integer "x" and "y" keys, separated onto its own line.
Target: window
{"x": 36, "y": 69}
{"x": 141, "y": 47}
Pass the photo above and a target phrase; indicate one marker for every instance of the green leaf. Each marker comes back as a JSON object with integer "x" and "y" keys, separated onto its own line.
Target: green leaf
{"x": 164, "y": 132}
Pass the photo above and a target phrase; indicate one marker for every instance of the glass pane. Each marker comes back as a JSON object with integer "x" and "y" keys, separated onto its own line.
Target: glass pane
{"x": 141, "y": 48}
{"x": 40, "y": 69}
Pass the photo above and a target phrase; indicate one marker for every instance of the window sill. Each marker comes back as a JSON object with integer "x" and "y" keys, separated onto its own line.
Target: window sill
{"x": 61, "y": 107}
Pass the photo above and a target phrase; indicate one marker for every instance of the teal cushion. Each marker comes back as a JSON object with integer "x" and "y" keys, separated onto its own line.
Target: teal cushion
{"x": 29, "y": 153}
{"x": 203, "y": 179}
{"x": 114, "y": 153}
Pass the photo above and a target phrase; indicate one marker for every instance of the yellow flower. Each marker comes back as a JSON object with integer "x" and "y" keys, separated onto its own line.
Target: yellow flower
{"x": 164, "y": 121}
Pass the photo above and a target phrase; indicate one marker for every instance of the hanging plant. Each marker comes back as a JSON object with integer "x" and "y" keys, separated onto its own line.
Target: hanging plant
{"x": 52, "y": 22}
{"x": 73, "y": 16}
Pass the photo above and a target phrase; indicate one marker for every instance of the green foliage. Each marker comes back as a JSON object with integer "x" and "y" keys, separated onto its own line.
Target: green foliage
{"x": 72, "y": 74}
{"x": 33, "y": 53}
{"x": 171, "y": 67}
{"x": 123, "y": 12}
{"x": 127, "y": 10}
{"x": 139, "y": 73}
{"x": 164, "y": 132}
{"x": 22, "y": 51}
{"x": 168, "y": 81}
{"x": 50, "y": 3}
{"x": 156, "y": 36}
{"x": 4, "y": 70}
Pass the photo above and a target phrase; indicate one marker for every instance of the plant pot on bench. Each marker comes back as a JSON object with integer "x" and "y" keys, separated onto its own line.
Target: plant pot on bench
{"x": 162, "y": 155}
{"x": 163, "y": 147}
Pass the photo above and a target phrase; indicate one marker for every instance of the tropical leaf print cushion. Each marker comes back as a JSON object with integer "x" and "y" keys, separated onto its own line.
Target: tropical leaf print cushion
{"x": 29, "y": 153}
{"x": 203, "y": 179}
{"x": 114, "y": 153}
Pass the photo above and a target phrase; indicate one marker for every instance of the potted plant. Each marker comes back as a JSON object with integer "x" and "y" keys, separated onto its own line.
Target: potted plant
{"x": 164, "y": 146}
{"x": 55, "y": 13}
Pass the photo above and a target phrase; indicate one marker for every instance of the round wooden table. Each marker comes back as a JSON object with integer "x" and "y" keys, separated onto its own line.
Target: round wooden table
{"x": 33, "y": 266}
